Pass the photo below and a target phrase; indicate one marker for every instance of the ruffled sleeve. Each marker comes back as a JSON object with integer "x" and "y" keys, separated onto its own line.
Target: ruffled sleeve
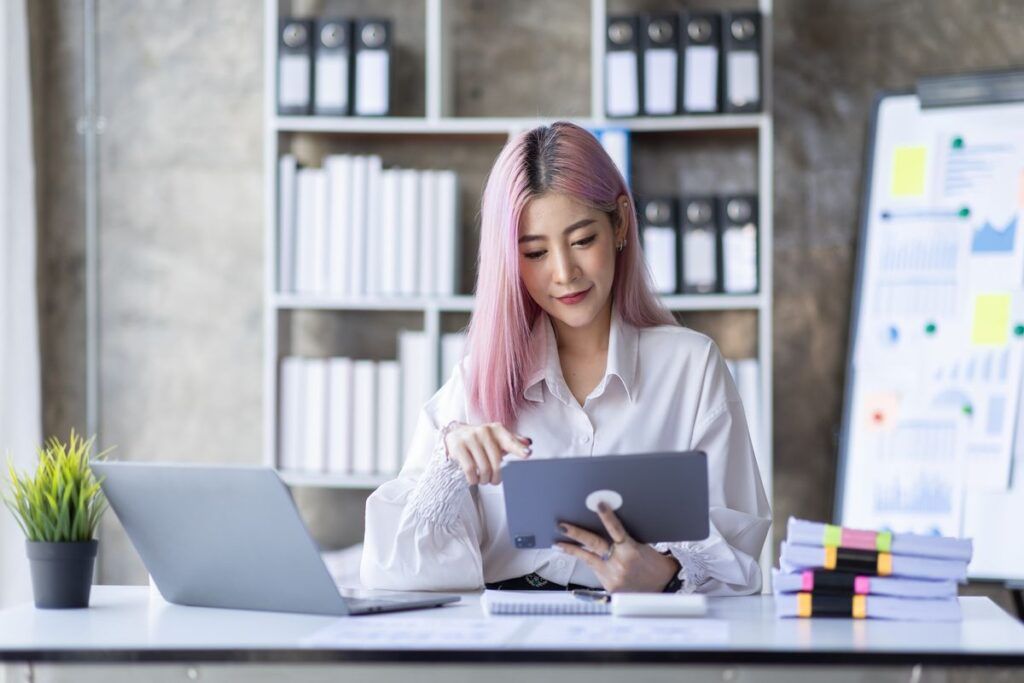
{"x": 725, "y": 563}
{"x": 424, "y": 529}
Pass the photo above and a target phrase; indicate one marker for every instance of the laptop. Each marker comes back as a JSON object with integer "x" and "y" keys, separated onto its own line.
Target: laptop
{"x": 231, "y": 537}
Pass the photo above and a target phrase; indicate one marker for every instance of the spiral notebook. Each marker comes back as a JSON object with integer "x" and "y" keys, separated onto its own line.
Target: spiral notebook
{"x": 539, "y": 602}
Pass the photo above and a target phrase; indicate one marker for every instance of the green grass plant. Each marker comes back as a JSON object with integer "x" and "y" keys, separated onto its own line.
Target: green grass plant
{"x": 63, "y": 502}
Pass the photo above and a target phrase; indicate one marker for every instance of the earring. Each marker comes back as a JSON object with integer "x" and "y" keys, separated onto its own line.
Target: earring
{"x": 622, "y": 245}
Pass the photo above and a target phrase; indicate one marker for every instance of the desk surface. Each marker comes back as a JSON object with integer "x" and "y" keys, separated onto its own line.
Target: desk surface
{"x": 131, "y": 623}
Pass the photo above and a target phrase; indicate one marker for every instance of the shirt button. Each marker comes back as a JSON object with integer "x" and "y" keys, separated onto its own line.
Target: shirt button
{"x": 584, "y": 439}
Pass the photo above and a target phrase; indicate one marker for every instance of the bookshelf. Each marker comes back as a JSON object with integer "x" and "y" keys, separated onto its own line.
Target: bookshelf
{"x": 439, "y": 123}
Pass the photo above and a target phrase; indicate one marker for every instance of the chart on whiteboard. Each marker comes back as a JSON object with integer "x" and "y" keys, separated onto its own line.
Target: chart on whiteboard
{"x": 937, "y": 357}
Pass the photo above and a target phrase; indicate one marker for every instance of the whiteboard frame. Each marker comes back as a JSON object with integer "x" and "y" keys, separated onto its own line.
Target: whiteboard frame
{"x": 863, "y": 226}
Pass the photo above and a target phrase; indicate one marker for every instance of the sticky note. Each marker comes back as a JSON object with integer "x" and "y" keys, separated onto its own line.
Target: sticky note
{"x": 908, "y": 171}
{"x": 991, "y": 319}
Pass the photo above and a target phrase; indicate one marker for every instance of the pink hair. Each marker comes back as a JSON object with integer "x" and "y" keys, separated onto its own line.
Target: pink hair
{"x": 566, "y": 159}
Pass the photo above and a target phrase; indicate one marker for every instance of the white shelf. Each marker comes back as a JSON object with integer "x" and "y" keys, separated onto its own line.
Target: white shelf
{"x": 455, "y": 304}
{"x": 439, "y": 84}
{"x": 395, "y": 125}
{"x": 335, "y": 481}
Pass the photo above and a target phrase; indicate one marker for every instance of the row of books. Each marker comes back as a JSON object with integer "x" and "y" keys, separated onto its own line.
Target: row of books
{"x": 334, "y": 66}
{"x": 701, "y": 245}
{"x": 688, "y": 62}
{"x": 342, "y": 415}
{"x": 353, "y": 228}
{"x": 832, "y": 571}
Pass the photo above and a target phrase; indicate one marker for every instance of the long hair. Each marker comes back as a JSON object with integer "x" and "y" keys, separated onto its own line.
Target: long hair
{"x": 565, "y": 159}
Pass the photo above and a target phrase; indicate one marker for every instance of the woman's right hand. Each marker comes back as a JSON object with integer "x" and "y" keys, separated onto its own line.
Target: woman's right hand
{"x": 479, "y": 450}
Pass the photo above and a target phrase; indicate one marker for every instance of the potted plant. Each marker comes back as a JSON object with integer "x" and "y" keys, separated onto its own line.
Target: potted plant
{"x": 59, "y": 510}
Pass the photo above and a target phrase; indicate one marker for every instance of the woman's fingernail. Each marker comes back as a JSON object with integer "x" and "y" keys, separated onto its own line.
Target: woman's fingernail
{"x": 602, "y": 506}
{"x": 563, "y": 528}
{"x": 527, "y": 450}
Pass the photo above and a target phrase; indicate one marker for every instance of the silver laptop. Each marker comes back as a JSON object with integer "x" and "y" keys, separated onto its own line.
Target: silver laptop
{"x": 222, "y": 536}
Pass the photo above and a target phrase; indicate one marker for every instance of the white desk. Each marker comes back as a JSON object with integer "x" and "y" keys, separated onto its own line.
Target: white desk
{"x": 131, "y": 624}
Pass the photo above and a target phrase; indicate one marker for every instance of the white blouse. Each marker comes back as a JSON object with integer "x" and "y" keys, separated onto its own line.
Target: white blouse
{"x": 665, "y": 389}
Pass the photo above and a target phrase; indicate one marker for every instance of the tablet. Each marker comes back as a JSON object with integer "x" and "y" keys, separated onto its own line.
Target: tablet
{"x": 660, "y": 497}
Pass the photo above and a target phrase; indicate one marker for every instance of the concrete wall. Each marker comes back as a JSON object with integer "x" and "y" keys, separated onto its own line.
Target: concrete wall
{"x": 181, "y": 210}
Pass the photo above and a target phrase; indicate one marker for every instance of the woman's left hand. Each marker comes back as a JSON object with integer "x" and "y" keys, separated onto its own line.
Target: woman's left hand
{"x": 624, "y": 565}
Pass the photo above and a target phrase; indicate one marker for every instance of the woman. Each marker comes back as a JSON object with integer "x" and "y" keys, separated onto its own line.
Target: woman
{"x": 569, "y": 353}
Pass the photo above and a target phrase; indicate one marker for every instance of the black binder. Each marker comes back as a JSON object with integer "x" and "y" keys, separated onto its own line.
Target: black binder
{"x": 659, "y": 47}
{"x": 700, "y": 246}
{"x": 659, "y": 229}
{"x": 741, "y": 59}
{"x": 623, "y": 76}
{"x": 373, "y": 47}
{"x": 333, "y": 67}
{"x": 738, "y": 217}
{"x": 700, "y": 58}
{"x": 294, "y": 67}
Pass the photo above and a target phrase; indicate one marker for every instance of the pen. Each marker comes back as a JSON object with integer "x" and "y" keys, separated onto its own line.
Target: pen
{"x": 591, "y": 595}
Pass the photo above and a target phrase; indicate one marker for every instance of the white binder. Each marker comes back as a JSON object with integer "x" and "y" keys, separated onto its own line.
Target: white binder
{"x": 622, "y": 67}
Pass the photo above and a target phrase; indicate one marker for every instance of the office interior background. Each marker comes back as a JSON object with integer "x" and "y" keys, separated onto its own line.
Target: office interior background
{"x": 180, "y": 182}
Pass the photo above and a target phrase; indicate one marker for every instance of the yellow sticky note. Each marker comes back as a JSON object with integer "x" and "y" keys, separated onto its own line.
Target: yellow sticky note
{"x": 991, "y": 319}
{"x": 908, "y": 171}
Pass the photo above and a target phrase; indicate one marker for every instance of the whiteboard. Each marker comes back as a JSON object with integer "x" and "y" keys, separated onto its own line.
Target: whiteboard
{"x": 929, "y": 440}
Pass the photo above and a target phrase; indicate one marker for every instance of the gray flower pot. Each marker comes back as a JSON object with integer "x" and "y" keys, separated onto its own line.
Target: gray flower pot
{"x": 61, "y": 573}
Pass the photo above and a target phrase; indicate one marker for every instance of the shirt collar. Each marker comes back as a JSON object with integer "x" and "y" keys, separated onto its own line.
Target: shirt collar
{"x": 623, "y": 350}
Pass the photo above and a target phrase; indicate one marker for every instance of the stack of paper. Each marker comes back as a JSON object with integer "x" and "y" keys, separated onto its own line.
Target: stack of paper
{"x": 827, "y": 570}
{"x": 353, "y": 228}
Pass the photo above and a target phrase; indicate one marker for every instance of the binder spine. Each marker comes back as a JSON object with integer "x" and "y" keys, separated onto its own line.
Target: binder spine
{"x": 333, "y": 67}
{"x": 373, "y": 47}
{"x": 741, "y": 62}
{"x": 701, "y": 246}
{"x": 623, "y": 69}
{"x": 294, "y": 67}
{"x": 659, "y": 64}
{"x": 700, "y": 62}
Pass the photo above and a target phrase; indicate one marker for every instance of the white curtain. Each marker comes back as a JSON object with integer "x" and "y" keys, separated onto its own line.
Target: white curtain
{"x": 20, "y": 411}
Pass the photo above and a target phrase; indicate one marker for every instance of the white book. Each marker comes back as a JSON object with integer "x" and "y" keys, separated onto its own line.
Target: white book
{"x": 429, "y": 232}
{"x": 739, "y": 258}
{"x": 453, "y": 348}
{"x": 389, "y": 422}
{"x": 314, "y": 414}
{"x": 339, "y": 416}
{"x": 660, "y": 251}
{"x": 748, "y": 371}
{"x": 291, "y": 397}
{"x": 287, "y": 169}
{"x": 449, "y": 244}
{"x": 357, "y": 238}
{"x": 305, "y": 229}
{"x": 730, "y": 364}
{"x": 373, "y": 225}
{"x": 616, "y": 142}
{"x": 414, "y": 355}
{"x": 410, "y": 230}
{"x": 389, "y": 244}
{"x": 339, "y": 181}
{"x": 364, "y": 407}
{"x": 318, "y": 252}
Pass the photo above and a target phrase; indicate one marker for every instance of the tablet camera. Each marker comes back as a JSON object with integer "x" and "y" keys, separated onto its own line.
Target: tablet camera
{"x": 525, "y": 541}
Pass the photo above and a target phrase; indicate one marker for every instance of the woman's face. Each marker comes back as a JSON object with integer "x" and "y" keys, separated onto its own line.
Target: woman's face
{"x": 566, "y": 247}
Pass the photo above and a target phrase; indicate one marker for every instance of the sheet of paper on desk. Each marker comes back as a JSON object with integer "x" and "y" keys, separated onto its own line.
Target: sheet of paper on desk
{"x": 412, "y": 633}
{"x": 611, "y": 633}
